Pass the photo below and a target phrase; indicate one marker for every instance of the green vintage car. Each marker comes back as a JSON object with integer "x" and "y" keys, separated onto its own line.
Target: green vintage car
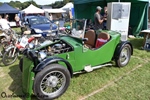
{"x": 47, "y": 70}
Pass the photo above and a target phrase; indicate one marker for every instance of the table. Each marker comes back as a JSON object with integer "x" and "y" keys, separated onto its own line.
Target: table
{"x": 146, "y": 42}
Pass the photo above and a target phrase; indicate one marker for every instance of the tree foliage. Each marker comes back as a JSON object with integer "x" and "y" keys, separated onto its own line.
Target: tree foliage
{"x": 59, "y": 4}
{"x": 20, "y": 5}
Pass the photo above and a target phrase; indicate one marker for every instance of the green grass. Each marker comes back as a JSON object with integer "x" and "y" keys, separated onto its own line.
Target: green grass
{"x": 108, "y": 83}
{"x": 135, "y": 86}
{"x": 17, "y": 30}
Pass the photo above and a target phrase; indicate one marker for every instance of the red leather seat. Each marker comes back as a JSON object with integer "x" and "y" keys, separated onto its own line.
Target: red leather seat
{"x": 102, "y": 39}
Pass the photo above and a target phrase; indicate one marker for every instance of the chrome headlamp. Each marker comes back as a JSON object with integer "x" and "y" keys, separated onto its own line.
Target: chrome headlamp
{"x": 31, "y": 45}
{"x": 41, "y": 55}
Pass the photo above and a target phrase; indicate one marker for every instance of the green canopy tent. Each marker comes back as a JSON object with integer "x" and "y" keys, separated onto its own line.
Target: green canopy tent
{"x": 138, "y": 14}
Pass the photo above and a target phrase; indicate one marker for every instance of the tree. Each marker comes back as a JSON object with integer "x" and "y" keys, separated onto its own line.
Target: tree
{"x": 27, "y": 3}
{"x": 58, "y": 4}
{"x": 21, "y": 6}
{"x": 16, "y": 4}
{"x": 66, "y": 1}
{"x": 1, "y": 3}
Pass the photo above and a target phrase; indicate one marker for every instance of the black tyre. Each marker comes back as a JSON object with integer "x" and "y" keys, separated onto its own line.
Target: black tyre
{"x": 124, "y": 56}
{"x": 51, "y": 82}
{"x": 9, "y": 58}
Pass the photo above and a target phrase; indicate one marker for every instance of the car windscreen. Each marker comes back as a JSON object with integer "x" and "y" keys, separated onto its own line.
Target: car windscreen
{"x": 39, "y": 20}
{"x": 78, "y": 28}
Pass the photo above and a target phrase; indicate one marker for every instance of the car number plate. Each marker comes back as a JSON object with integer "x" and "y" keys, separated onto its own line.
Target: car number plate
{"x": 24, "y": 41}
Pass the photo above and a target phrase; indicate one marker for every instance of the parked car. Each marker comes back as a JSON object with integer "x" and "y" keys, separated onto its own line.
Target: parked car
{"x": 46, "y": 70}
{"x": 39, "y": 23}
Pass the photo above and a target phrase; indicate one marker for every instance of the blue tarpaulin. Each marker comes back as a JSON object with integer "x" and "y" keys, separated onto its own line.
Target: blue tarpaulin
{"x": 5, "y": 8}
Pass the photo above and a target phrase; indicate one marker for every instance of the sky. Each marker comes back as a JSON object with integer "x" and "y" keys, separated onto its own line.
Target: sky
{"x": 39, "y": 2}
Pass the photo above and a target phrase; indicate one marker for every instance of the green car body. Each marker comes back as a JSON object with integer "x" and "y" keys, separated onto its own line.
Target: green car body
{"x": 74, "y": 60}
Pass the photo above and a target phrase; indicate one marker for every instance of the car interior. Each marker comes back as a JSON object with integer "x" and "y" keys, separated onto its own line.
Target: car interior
{"x": 95, "y": 41}
{"x": 91, "y": 36}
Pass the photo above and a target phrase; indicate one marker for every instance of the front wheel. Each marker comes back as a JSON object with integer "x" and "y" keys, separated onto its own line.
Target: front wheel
{"x": 51, "y": 82}
{"x": 124, "y": 56}
{"x": 9, "y": 57}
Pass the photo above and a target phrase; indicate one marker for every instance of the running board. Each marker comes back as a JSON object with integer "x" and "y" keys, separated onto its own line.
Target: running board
{"x": 89, "y": 68}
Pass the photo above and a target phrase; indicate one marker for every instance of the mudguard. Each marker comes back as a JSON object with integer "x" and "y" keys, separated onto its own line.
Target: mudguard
{"x": 10, "y": 47}
{"x": 3, "y": 34}
{"x": 119, "y": 48}
{"x": 48, "y": 61}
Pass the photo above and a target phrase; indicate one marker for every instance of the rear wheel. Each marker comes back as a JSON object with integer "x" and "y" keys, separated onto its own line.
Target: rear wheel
{"x": 9, "y": 57}
{"x": 51, "y": 82}
{"x": 124, "y": 56}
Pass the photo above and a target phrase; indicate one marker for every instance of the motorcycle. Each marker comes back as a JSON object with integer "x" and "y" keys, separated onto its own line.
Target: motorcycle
{"x": 15, "y": 47}
{"x": 6, "y": 36}
{"x": 19, "y": 45}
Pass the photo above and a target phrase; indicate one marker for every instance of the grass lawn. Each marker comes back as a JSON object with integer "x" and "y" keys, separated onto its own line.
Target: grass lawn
{"x": 17, "y": 30}
{"x": 108, "y": 83}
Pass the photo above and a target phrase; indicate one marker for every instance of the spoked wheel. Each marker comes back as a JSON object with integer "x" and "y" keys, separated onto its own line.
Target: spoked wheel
{"x": 10, "y": 57}
{"x": 51, "y": 82}
{"x": 124, "y": 56}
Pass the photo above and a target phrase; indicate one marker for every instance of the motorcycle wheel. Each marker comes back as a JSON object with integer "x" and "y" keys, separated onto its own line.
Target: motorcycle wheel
{"x": 8, "y": 57}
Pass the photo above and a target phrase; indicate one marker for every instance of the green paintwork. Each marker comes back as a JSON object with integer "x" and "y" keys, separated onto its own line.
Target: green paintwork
{"x": 82, "y": 56}
{"x": 27, "y": 77}
{"x": 79, "y": 58}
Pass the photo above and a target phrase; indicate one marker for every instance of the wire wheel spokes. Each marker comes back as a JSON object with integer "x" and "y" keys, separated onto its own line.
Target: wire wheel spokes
{"x": 53, "y": 82}
{"x": 124, "y": 57}
{"x": 10, "y": 56}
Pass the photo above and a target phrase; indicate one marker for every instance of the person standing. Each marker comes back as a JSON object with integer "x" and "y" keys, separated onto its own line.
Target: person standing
{"x": 4, "y": 24}
{"x": 6, "y": 17}
{"x": 17, "y": 19}
{"x": 98, "y": 19}
{"x": 105, "y": 18}
{"x": 50, "y": 17}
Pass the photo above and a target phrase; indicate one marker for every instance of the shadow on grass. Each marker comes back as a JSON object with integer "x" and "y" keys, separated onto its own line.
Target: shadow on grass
{"x": 1, "y": 63}
{"x": 16, "y": 85}
{"x": 137, "y": 43}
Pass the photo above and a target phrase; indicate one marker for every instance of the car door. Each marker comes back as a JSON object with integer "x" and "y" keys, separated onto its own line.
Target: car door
{"x": 93, "y": 56}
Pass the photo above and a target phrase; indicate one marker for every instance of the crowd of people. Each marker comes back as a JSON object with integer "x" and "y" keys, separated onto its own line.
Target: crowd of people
{"x": 100, "y": 19}
{"x": 4, "y": 21}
